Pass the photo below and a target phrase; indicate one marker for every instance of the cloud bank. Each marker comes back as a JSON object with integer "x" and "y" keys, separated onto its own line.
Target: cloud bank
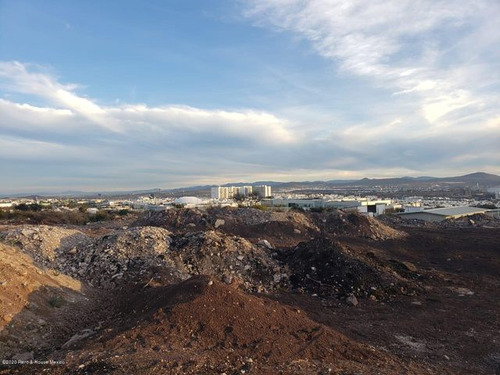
{"x": 434, "y": 64}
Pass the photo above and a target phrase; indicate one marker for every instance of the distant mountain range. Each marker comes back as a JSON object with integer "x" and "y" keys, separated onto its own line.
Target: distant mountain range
{"x": 474, "y": 179}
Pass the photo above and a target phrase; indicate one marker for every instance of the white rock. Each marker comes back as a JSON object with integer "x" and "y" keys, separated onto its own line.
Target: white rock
{"x": 352, "y": 300}
{"x": 265, "y": 243}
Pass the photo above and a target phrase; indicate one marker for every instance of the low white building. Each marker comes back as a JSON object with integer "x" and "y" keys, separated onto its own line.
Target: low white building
{"x": 189, "y": 202}
{"x": 374, "y": 207}
{"x": 440, "y": 214}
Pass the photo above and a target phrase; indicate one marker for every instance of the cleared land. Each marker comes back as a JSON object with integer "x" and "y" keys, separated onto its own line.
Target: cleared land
{"x": 249, "y": 291}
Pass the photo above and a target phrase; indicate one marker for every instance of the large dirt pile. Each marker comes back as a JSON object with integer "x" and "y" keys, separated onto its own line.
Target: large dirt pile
{"x": 177, "y": 220}
{"x": 122, "y": 256}
{"x": 477, "y": 220}
{"x": 33, "y": 303}
{"x": 43, "y": 243}
{"x": 203, "y": 327}
{"x": 329, "y": 269}
{"x": 395, "y": 220}
{"x": 253, "y": 216}
{"x": 340, "y": 223}
{"x": 230, "y": 259}
{"x": 282, "y": 229}
{"x": 141, "y": 255}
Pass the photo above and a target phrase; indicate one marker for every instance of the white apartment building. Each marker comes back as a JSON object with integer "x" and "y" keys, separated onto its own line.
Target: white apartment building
{"x": 220, "y": 193}
{"x": 228, "y": 192}
{"x": 245, "y": 190}
{"x": 264, "y": 191}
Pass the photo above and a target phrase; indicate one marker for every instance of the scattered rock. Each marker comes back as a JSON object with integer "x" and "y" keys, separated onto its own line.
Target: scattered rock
{"x": 410, "y": 266}
{"x": 352, "y": 300}
{"x": 78, "y": 337}
{"x": 266, "y": 244}
{"x": 411, "y": 342}
{"x": 219, "y": 222}
{"x": 462, "y": 292}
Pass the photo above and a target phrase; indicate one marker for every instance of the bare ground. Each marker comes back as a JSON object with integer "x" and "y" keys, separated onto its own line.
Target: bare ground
{"x": 430, "y": 305}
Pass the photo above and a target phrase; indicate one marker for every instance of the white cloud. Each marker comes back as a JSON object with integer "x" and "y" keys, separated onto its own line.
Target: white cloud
{"x": 141, "y": 120}
{"x": 68, "y": 138}
{"x": 428, "y": 48}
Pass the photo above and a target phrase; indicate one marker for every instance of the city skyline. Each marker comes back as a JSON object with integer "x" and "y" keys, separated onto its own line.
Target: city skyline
{"x": 132, "y": 95}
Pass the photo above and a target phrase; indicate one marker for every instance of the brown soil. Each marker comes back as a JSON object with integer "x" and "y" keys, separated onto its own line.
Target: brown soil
{"x": 202, "y": 326}
{"x": 37, "y": 306}
{"x": 428, "y": 301}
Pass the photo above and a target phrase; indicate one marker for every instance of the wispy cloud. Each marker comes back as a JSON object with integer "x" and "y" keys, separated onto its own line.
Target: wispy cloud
{"x": 67, "y": 137}
{"x": 433, "y": 50}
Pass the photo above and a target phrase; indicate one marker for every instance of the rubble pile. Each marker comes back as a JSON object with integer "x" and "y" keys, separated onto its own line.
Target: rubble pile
{"x": 230, "y": 259}
{"x": 477, "y": 220}
{"x": 400, "y": 221}
{"x": 329, "y": 269}
{"x": 281, "y": 229}
{"x": 137, "y": 254}
{"x": 120, "y": 256}
{"x": 252, "y": 216}
{"x": 141, "y": 253}
{"x": 43, "y": 242}
{"x": 176, "y": 220}
{"x": 471, "y": 221}
{"x": 353, "y": 224}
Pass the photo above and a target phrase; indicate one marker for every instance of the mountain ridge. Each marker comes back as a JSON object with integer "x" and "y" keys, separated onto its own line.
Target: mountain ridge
{"x": 482, "y": 179}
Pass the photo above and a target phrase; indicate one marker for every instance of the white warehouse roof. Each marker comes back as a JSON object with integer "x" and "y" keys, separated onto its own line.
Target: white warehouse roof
{"x": 188, "y": 200}
{"x": 439, "y": 214}
{"x": 452, "y": 211}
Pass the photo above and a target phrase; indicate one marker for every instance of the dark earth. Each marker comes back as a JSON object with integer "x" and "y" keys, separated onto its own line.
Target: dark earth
{"x": 361, "y": 296}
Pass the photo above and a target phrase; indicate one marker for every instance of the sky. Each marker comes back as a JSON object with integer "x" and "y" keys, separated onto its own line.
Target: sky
{"x": 120, "y": 95}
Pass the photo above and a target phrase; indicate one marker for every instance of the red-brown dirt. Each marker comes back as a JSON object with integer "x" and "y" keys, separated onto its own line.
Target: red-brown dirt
{"x": 440, "y": 316}
{"x": 202, "y": 326}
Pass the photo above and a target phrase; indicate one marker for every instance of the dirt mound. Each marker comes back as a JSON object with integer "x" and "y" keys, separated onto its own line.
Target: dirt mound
{"x": 122, "y": 256}
{"x": 253, "y": 216}
{"x": 231, "y": 259}
{"x": 282, "y": 229}
{"x": 355, "y": 225}
{"x": 152, "y": 254}
{"x": 176, "y": 220}
{"x": 330, "y": 269}
{"x": 477, "y": 220}
{"x": 43, "y": 242}
{"x": 395, "y": 220}
{"x": 32, "y": 303}
{"x": 202, "y": 326}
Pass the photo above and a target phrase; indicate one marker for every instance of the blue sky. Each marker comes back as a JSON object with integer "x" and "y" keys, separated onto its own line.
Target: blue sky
{"x": 121, "y": 95}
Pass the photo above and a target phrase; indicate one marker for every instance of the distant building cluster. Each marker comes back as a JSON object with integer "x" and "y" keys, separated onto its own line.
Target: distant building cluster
{"x": 229, "y": 192}
{"x": 361, "y": 205}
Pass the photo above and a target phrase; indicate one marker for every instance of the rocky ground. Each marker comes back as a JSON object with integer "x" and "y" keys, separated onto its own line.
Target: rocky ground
{"x": 251, "y": 291}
